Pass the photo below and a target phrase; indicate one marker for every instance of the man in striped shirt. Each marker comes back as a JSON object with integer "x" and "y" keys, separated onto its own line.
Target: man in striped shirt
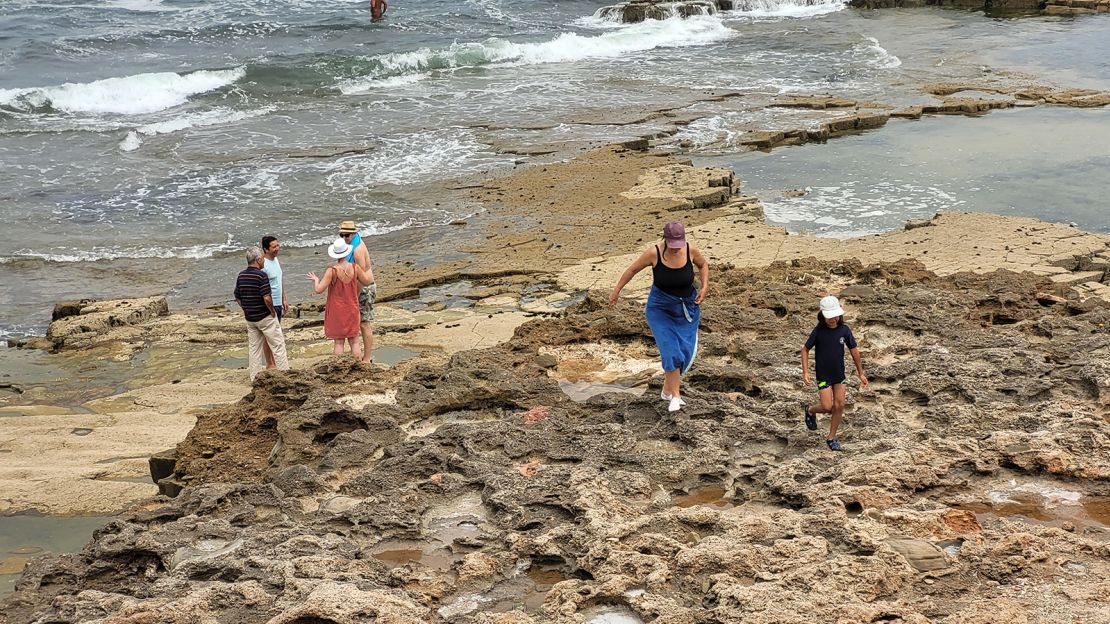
{"x": 252, "y": 293}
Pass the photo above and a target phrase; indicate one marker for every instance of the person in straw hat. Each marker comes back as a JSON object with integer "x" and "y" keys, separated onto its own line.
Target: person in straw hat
{"x": 342, "y": 282}
{"x": 360, "y": 256}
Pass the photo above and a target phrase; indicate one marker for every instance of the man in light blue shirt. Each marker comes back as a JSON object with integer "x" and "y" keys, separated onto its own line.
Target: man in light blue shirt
{"x": 272, "y": 268}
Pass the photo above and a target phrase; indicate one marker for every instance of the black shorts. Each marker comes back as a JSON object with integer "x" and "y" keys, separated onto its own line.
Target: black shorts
{"x": 822, "y": 384}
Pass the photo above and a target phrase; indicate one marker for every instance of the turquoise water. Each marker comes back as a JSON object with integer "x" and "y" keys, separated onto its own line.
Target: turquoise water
{"x": 25, "y": 536}
{"x": 1043, "y": 162}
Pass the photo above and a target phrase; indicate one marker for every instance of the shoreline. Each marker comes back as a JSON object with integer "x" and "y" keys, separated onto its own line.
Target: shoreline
{"x": 611, "y": 198}
{"x": 809, "y": 118}
{"x": 333, "y": 443}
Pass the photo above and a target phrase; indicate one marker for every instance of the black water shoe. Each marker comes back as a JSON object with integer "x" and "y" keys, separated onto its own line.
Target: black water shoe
{"x": 811, "y": 420}
{"x": 834, "y": 445}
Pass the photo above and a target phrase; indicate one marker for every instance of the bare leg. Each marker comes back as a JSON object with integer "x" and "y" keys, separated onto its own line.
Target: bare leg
{"x": 825, "y": 395}
{"x": 367, "y": 342}
{"x": 672, "y": 382}
{"x": 838, "y": 392}
{"x": 337, "y": 347}
{"x": 355, "y": 349}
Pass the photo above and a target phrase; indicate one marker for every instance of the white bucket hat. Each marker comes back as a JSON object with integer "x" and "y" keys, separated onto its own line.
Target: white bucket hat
{"x": 339, "y": 249}
{"x": 830, "y": 307}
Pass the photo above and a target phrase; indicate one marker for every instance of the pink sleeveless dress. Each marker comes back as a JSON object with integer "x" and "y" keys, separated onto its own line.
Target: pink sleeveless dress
{"x": 341, "y": 315}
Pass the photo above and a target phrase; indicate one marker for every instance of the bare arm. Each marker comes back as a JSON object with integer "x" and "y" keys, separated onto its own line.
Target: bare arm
{"x": 320, "y": 285}
{"x": 270, "y": 304}
{"x": 365, "y": 277}
{"x": 805, "y": 365}
{"x": 639, "y": 264}
{"x": 859, "y": 367}
{"x": 702, "y": 265}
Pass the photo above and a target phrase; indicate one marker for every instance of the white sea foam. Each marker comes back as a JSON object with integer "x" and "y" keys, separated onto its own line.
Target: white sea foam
{"x": 365, "y": 228}
{"x": 857, "y": 208}
{"x": 68, "y": 254}
{"x": 413, "y": 159}
{"x": 127, "y": 95}
{"x": 566, "y": 47}
{"x": 788, "y": 8}
{"x": 131, "y": 142}
{"x": 363, "y": 85}
{"x": 490, "y": 8}
{"x": 199, "y": 119}
{"x": 138, "y": 5}
{"x": 727, "y": 132}
{"x": 876, "y": 55}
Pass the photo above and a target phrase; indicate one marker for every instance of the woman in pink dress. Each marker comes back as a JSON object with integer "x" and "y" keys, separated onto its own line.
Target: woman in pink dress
{"x": 342, "y": 280}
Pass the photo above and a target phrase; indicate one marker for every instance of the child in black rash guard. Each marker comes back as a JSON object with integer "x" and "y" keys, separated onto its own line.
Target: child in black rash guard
{"x": 828, "y": 340}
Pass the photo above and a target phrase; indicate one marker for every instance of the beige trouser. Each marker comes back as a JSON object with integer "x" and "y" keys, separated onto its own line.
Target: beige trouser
{"x": 268, "y": 332}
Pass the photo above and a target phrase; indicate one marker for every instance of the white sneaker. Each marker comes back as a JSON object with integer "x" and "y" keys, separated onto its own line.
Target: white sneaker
{"x": 663, "y": 395}
{"x": 676, "y": 404}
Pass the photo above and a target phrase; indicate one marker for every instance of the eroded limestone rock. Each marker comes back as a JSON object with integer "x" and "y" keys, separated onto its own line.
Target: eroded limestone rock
{"x": 453, "y": 493}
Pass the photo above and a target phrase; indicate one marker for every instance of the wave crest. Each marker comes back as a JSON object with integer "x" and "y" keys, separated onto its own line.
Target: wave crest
{"x": 566, "y": 47}
{"x": 127, "y": 95}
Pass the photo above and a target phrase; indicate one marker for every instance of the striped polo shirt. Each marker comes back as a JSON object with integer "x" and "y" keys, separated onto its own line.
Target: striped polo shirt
{"x": 251, "y": 286}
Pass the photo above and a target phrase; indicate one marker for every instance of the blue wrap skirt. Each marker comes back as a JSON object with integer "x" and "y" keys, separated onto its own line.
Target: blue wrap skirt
{"x": 674, "y": 324}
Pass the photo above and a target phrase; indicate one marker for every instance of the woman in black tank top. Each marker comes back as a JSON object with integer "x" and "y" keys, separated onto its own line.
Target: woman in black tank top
{"x": 673, "y": 308}
{"x": 678, "y": 282}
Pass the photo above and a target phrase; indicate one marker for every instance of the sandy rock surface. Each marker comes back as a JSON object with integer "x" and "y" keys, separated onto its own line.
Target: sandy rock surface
{"x": 477, "y": 490}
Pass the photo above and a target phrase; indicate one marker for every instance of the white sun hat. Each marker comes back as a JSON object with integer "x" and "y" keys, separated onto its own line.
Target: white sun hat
{"x": 830, "y": 307}
{"x": 339, "y": 249}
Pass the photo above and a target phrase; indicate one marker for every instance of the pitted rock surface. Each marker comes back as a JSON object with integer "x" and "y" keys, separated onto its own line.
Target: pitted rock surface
{"x": 441, "y": 492}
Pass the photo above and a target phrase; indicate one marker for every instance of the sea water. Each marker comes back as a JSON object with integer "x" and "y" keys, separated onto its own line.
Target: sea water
{"x": 145, "y": 143}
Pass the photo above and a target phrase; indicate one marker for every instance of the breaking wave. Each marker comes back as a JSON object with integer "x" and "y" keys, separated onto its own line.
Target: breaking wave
{"x": 127, "y": 95}
{"x": 871, "y": 53}
{"x": 788, "y": 8}
{"x": 566, "y": 47}
{"x": 199, "y": 119}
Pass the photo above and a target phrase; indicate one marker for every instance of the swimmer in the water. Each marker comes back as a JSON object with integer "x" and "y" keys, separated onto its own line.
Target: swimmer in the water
{"x": 377, "y": 9}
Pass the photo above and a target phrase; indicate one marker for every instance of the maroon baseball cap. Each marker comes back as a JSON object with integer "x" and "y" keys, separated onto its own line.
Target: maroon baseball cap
{"x": 675, "y": 235}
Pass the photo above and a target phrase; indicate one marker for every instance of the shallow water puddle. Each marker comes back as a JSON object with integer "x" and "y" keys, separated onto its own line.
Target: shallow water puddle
{"x": 710, "y": 496}
{"x": 581, "y": 391}
{"x": 611, "y": 614}
{"x": 1046, "y": 506}
{"x": 397, "y": 553}
{"x": 25, "y": 536}
{"x": 391, "y": 355}
{"x": 459, "y": 520}
{"x": 528, "y": 590}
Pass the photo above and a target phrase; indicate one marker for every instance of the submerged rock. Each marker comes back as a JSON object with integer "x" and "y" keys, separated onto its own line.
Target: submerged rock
{"x": 635, "y": 11}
